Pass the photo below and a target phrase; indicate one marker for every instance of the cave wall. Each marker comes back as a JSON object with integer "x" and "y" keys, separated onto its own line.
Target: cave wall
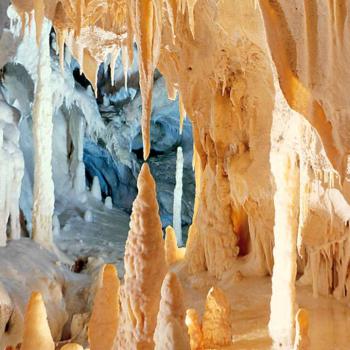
{"x": 233, "y": 86}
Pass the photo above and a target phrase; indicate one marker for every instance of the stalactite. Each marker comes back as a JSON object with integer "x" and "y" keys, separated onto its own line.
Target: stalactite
{"x": 217, "y": 321}
{"x": 36, "y": 334}
{"x": 286, "y": 174}
{"x": 177, "y": 222}
{"x": 145, "y": 268}
{"x": 104, "y": 321}
{"x": 171, "y": 333}
{"x": 190, "y": 8}
{"x": 147, "y": 24}
{"x": 194, "y": 330}
{"x": 44, "y": 198}
{"x": 114, "y": 57}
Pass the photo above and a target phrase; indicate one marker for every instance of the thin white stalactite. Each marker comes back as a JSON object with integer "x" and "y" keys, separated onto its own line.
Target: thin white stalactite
{"x": 178, "y": 197}
{"x": 44, "y": 198}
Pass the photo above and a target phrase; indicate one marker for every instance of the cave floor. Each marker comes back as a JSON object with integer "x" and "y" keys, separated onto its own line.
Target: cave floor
{"x": 250, "y": 302}
{"x": 103, "y": 238}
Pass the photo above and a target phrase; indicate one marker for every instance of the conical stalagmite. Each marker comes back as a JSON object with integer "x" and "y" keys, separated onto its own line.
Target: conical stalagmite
{"x": 104, "y": 319}
{"x": 172, "y": 252}
{"x": 145, "y": 268}
{"x": 217, "y": 329}
{"x": 302, "y": 341}
{"x": 171, "y": 332}
{"x": 36, "y": 335}
{"x": 194, "y": 330}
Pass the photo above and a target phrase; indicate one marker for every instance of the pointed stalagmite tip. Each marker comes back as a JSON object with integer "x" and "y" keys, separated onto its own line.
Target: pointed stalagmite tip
{"x": 104, "y": 319}
{"x": 36, "y": 334}
{"x": 72, "y": 346}
{"x": 217, "y": 329}
{"x": 145, "y": 181}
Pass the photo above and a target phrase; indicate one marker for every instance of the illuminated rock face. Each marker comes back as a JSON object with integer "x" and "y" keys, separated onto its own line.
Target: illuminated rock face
{"x": 145, "y": 268}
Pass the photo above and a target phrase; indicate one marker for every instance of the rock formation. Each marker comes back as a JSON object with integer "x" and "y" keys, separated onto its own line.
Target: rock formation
{"x": 177, "y": 223}
{"x": 104, "y": 321}
{"x": 172, "y": 252}
{"x": 44, "y": 197}
{"x": 171, "y": 332}
{"x": 194, "y": 330}
{"x": 264, "y": 84}
{"x": 216, "y": 327}
{"x": 36, "y": 334}
{"x": 12, "y": 170}
{"x": 302, "y": 340}
{"x": 72, "y": 346}
{"x": 145, "y": 268}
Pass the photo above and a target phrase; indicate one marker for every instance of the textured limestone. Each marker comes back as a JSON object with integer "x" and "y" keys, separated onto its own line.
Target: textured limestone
{"x": 194, "y": 330}
{"x": 171, "y": 332}
{"x": 104, "y": 321}
{"x": 216, "y": 327}
{"x": 145, "y": 268}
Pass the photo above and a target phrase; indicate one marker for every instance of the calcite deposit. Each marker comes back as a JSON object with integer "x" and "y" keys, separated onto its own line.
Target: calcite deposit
{"x": 264, "y": 84}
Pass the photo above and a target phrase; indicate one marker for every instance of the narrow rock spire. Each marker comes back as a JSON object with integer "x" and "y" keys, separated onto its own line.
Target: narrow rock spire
{"x": 171, "y": 332}
{"x": 104, "y": 319}
{"x": 145, "y": 268}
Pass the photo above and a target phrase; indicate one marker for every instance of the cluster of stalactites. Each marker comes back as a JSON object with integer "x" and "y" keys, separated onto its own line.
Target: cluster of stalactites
{"x": 96, "y": 30}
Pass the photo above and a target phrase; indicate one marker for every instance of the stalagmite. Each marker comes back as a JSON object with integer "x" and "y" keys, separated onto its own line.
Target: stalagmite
{"x": 302, "y": 341}
{"x": 12, "y": 170}
{"x": 177, "y": 222}
{"x": 44, "y": 197}
{"x": 147, "y": 24}
{"x": 145, "y": 268}
{"x": 77, "y": 132}
{"x": 217, "y": 321}
{"x": 36, "y": 334}
{"x": 194, "y": 330}
{"x": 72, "y": 346}
{"x": 104, "y": 321}
{"x": 286, "y": 174}
{"x": 96, "y": 188}
{"x": 172, "y": 252}
{"x": 171, "y": 332}
{"x": 108, "y": 203}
